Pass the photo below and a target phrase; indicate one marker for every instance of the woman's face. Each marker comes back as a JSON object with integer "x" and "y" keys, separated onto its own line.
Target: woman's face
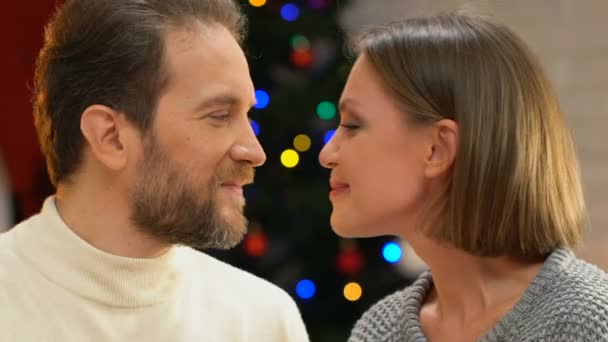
{"x": 378, "y": 160}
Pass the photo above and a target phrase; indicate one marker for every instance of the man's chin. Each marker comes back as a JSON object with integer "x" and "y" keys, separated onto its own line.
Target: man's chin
{"x": 238, "y": 231}
{"x": 234, "y": 219}
{"x": 232, "y": 243}
{"x": 226, "y": 244}
{"x": 232, "y": 235}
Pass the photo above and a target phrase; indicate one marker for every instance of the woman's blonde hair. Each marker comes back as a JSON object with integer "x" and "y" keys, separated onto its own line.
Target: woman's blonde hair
{"x": 515, "y": 187}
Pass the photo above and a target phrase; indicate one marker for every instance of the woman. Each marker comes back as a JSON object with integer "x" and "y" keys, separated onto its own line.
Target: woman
{"x": 452, "y": 138}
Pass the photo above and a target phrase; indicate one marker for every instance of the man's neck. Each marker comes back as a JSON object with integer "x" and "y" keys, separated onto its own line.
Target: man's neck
{"x": 100, "y": 215}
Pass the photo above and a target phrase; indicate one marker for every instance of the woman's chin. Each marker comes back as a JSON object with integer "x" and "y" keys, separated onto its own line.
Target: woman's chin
{"x": 346, "y": 229}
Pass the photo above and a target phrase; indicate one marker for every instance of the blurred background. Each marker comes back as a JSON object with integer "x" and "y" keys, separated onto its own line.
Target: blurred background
{"x": 299, "y": 65}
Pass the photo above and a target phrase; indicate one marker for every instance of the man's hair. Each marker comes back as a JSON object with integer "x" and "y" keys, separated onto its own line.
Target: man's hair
{"x": 109, "y": 52}
{"x": 515, "y": 187}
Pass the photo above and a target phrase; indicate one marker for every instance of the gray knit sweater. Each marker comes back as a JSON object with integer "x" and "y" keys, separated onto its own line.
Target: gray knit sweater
{"x": 567, "y": 301}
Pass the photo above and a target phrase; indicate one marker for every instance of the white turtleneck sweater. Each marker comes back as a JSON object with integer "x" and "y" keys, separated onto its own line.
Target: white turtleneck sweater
{"x": 54, "y": 286}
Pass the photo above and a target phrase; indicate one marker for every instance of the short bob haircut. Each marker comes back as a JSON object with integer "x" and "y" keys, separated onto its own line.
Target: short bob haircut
{"x": 515, "y": 188}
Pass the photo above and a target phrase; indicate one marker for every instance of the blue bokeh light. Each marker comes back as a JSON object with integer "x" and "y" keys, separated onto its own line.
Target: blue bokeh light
{"x": 306, "y": 289}
{"x": 255, "y": 126}
{"x": 327, "y": 137}
{"x": 391, "y": 252}
{"x": 290, "y": 12}
{"x": 262, "y": 99}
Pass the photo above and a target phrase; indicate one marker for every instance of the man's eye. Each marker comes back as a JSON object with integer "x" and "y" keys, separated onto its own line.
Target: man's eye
{"x": 220, "y": 117}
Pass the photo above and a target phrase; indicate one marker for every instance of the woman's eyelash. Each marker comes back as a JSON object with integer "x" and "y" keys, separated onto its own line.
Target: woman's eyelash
{"x": 349, "y": 127}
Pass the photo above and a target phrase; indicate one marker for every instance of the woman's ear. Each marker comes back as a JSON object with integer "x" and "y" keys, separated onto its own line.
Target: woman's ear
{"x": 443, "y": 148}
{"x": 103, "y": 128}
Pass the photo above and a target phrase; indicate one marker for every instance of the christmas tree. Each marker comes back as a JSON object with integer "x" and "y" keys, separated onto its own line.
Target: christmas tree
{"x": 299, "y": 66}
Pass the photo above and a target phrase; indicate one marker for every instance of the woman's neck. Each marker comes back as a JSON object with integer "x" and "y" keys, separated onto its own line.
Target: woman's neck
{"x": 467, "y": 286}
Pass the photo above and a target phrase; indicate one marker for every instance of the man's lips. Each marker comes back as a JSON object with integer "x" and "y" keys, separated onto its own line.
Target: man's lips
{"x": 234, "y": 186}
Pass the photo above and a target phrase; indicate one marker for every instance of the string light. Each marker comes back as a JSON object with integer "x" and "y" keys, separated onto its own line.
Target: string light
{"x": 290, "y": 12}
{"x": 262, "y": 99}
{"x": 256, "y": 243}
{"x": 326, "y": 110}
{"x": 255, "y": 126}
{"x": 353, "y": 292}
{"x": 290, "y": 158}
{"x": 306, "y": 289}
{"x": 350, "y": 261}
{"x": 302, "y": 58}
{"x": 391, "y": 252}
{"x": 302, "y": 142}
{"x": 257, "y": 3}
{"x": 299, "y": 42}
{"x": 328, "y": 135}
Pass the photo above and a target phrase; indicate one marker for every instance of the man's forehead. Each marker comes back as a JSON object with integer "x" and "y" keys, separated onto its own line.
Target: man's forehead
{"x": 183, "y": 37}
{"x": 207, "y": 63}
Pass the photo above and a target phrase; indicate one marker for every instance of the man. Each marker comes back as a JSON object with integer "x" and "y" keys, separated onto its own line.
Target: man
{"x": 141, "y": 111}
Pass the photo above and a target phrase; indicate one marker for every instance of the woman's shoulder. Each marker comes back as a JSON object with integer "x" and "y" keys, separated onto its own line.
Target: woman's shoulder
{"x": 382, "y": 322}
{"x": 388, "y": 319}
{"x": 568, "y": 298}
{"x": 567, "y": 274}
{"x": 567, "y": 282}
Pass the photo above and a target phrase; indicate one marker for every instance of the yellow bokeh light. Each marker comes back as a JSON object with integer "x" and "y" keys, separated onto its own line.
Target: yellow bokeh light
{"x": 302, "y": 142}
{"x": 353, "y": 291}
{"x": 290, "y": 158}
{"x": 257, "y": 3}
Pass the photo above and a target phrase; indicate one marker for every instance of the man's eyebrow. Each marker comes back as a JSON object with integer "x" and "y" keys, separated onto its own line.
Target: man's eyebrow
{"x": 222, "y": 99}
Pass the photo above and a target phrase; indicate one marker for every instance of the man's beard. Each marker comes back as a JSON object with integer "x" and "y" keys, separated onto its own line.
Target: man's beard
{"x": 168, "y": 205}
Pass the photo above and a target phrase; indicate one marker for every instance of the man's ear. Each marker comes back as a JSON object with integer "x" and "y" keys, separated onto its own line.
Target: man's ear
{"x": 104, "y": 130}
{"x": 442, "y": 149}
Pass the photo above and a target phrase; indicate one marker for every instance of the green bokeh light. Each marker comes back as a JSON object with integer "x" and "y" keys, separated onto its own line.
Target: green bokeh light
{"x": 326, "y": 110}
{"x": 299, "y": 42}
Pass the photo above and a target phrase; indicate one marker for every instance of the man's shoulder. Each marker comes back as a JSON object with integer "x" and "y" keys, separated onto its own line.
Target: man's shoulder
{"x": 268, "y": 309}
{"x": 8, "y": 241}
{"x": 13, "y": 269}
{"x": 8, "y": 253}
{"x": 226, "y": 277}
{"x": 5, "y": 240}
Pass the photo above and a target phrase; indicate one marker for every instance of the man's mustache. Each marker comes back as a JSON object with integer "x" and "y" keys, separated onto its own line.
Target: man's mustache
{"x": 240, "y": 173}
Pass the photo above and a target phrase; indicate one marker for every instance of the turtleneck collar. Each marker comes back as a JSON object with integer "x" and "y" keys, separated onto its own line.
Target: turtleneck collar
{"x": 65, "y": 259}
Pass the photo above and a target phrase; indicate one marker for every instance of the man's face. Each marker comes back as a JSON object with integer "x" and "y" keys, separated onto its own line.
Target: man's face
{"x": 201, "y": 149}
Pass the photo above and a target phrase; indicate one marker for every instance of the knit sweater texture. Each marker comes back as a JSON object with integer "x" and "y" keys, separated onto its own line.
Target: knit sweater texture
{"x": 54, "y": 286}
{"x": 567, "y": 301}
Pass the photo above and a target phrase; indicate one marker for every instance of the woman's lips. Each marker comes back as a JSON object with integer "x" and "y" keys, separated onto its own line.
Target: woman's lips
{"x": 338, "y": 188}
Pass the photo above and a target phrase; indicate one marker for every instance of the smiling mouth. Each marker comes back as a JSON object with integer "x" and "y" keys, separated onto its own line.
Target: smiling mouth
{"x": 337, "y": 189}
{"x": 233, "y": 188}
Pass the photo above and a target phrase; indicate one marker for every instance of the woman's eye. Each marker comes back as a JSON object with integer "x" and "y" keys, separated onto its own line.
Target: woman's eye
{"x": 349, "y": 127}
